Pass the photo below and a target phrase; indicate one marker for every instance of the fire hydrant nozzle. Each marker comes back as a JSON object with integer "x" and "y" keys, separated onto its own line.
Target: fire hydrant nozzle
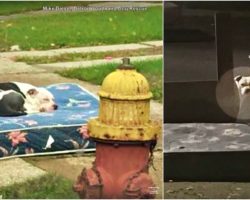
{"x": 121, "y": 171}
{"x": 126, "y": 64}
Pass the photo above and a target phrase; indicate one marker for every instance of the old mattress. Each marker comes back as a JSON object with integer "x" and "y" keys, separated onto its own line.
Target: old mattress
{"x": 51, "y": 132}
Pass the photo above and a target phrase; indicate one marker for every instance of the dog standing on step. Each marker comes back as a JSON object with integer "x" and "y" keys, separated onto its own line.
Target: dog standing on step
{"x": 243, "y": 85}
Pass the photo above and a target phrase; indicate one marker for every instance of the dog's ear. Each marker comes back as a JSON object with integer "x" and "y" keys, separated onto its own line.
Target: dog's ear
{"x": 32, "y": 92}
{"x": 237, "y": 78}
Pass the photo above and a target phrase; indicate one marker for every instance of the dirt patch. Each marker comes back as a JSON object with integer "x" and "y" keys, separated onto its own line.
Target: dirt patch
{"x": 68, "y": 166}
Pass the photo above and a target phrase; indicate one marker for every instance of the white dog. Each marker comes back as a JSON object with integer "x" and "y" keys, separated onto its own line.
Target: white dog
{"x": 21, "y": 98}
{"x": 243, "y": 85}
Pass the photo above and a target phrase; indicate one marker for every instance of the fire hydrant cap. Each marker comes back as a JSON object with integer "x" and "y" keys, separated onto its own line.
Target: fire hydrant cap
{"x": 126, "y": 84}
{"x": 124, "y": 111}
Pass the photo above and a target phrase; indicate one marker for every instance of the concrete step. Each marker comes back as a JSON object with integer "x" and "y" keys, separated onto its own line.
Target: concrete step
{"x": 207, "y": 152}
{"x": 206, "y": 190}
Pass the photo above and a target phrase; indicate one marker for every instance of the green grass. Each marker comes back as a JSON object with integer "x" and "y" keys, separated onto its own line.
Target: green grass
{"x": 13, "y": 7}
{"x": 70, "y": 57}
{"x": 47, "y": 187}
{"x": 73, "y": 29}
{"x": 152, "y": 70}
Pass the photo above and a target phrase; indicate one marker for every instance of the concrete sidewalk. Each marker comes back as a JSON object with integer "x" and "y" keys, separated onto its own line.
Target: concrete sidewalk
{"x": 8, "y": 66}
{"x": 17, "y": 171}
{"x": 104, "y": 48}
{"x": 90, "y": 63}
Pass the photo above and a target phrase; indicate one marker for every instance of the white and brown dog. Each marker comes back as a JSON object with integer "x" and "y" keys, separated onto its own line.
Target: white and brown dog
{"x": 243, "y": 85}
{"x": 21, "y": 98}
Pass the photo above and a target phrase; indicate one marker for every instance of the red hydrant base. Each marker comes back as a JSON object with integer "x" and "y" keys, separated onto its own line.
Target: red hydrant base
{"x": 119, "y": 171}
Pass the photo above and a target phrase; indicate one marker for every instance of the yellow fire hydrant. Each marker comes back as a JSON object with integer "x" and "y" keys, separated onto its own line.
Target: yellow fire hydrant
{"x": 125, "y": 137}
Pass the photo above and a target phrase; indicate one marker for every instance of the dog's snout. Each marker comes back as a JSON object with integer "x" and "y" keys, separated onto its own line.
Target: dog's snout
{"x": 55, "y": 106}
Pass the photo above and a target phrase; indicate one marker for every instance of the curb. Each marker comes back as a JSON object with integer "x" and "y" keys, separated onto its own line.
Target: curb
{"x": 55, "y": 52}
{"x": 91, "y": 63}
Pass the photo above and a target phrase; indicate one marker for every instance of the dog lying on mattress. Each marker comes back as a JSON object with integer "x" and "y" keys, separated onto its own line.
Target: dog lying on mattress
{"x": 22, "y": 98}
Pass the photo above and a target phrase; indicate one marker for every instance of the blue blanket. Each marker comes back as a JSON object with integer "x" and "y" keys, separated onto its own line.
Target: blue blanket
{"x": 51, "y": 132}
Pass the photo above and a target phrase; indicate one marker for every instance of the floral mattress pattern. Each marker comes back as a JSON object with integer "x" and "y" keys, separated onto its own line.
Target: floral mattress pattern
{"x": 60, "y": 131}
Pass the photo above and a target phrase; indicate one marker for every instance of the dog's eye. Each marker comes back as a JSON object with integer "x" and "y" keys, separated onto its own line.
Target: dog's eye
{"x": 46, "y": 99}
